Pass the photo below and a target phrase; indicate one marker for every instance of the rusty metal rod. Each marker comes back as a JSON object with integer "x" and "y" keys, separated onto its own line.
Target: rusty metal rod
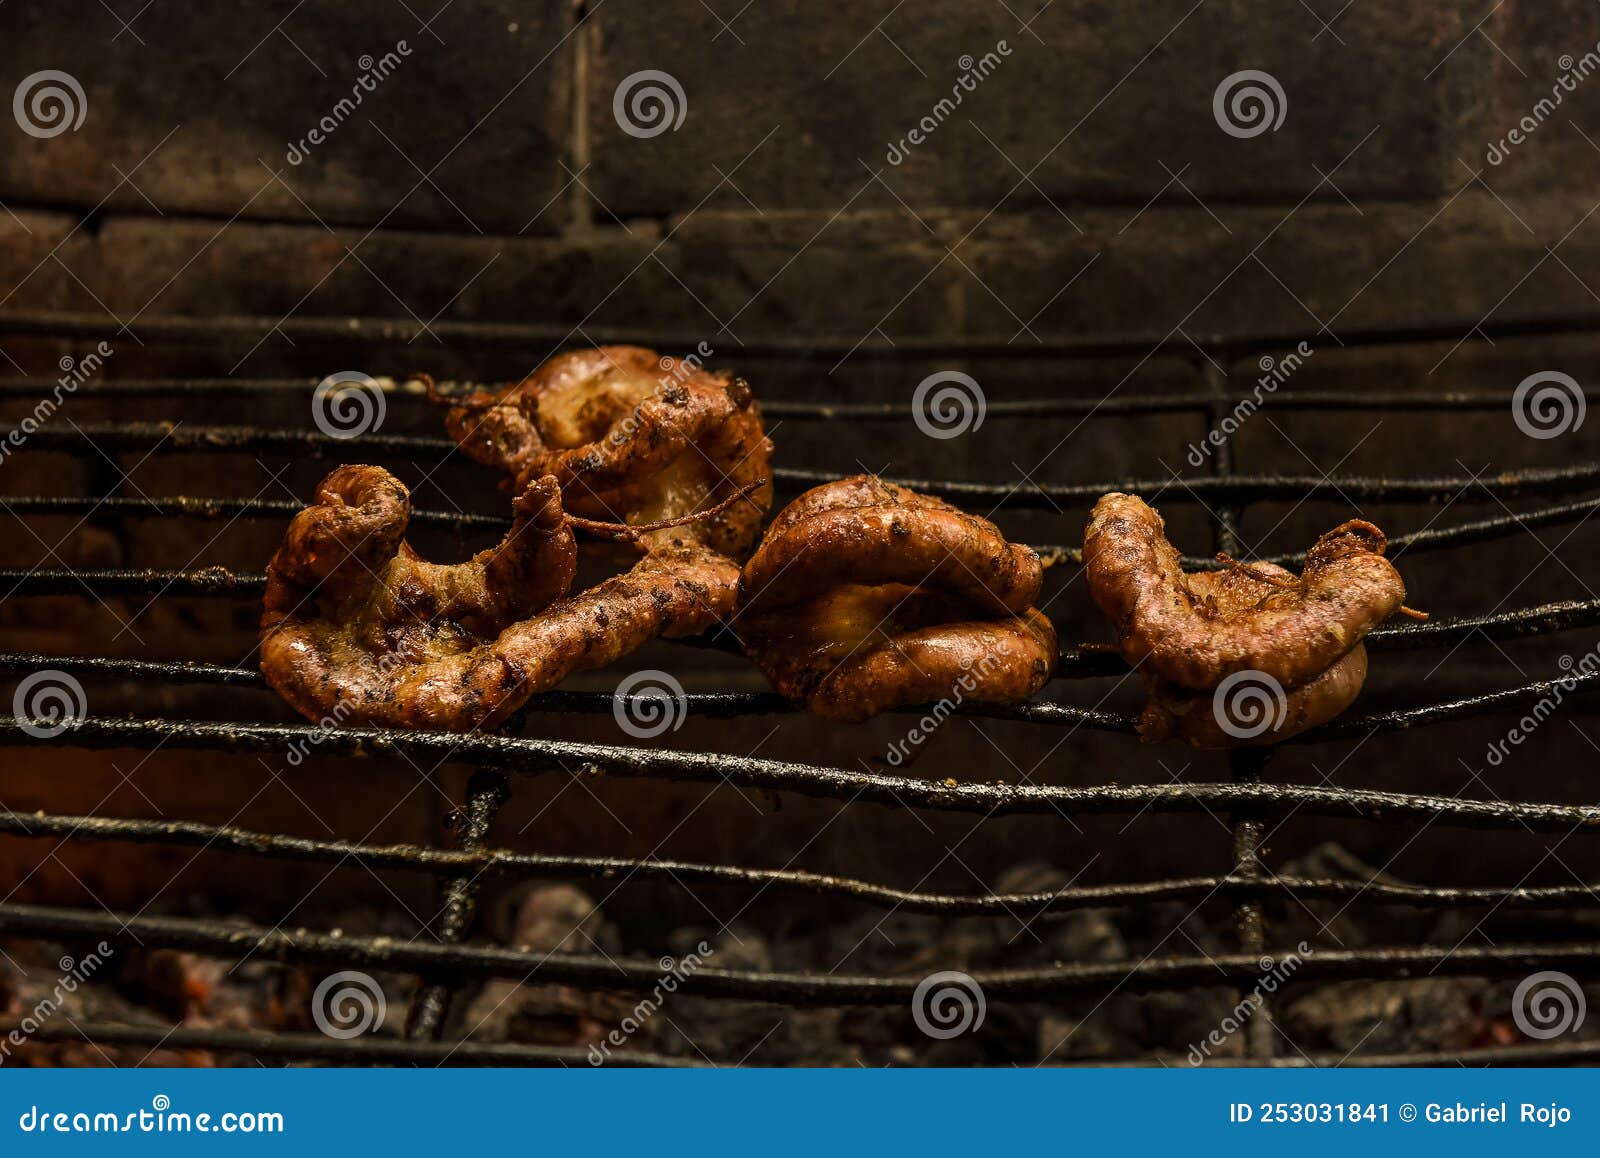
{"x": 512, "y": 865}
{"x": 486, "y": 793}
{"x": 529, "y": 756}
{"x": 805, "y": 411}
{"x": 345, "y": 329}
{"x": 230, "y": 941}
{"x": 170, "y": 438}
{"x": 282, "y": 1046}
{"x": 201, "y": 507}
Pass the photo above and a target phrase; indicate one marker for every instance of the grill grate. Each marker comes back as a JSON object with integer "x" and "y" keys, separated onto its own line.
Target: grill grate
{"x": 451, "y": 962}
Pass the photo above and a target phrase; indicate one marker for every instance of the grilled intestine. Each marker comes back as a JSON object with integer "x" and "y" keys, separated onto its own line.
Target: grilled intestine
{"x": 630, "y": 437}
{"x": 357, "y": 629}
{"x": 1251, "y": 654}
{"x": 865, "y": 596}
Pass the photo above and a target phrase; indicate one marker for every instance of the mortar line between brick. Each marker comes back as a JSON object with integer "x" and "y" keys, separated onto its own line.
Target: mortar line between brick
{"x": 581, "y": 202}
{"x": 177, "y": 216}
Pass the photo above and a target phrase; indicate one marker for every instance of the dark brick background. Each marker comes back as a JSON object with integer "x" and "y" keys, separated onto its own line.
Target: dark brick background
{"x": 494, "y": 145}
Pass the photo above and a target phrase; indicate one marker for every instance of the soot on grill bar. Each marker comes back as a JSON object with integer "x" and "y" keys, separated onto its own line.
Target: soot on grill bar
{"x": 717, "y": 561}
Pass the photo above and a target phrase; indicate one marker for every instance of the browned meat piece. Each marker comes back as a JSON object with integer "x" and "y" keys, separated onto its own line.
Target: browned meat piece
{"x": 1249, "y": 655}
{"x": 1250, "y": 711}
{"x": 630, "y": 437}
{"x": 1292, "y": 633}
{"x": 356, "y": 629}
{"x": 1254, "y": 712}
{"x": 865, "y": 596}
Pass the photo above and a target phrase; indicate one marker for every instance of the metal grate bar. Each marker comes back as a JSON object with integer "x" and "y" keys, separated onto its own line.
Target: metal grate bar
{"x": 507, "y": 864}
{"x": 389, "y": 331}
{"x": 486, "y": 793}
{"x": 383, "y": 1051}
{"x": 1236, "y": 489}
{"x": 1522, "y": 623}
{"x": 1244, "y": 767}
{"x": 1545, "y": 619}
{"x": 525, "y": 756}
{"x": 1425, "y": 401}
{"x": 230, "y": 941}
{"x": 1240, "y": 489}
{"x": 185, "y": 506}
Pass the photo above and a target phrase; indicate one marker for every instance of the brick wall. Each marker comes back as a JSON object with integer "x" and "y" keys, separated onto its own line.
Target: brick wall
{"x": 1082, "y": 185}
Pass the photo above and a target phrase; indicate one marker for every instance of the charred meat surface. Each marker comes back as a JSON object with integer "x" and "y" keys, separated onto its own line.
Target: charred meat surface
{"x": 357, "y": 629}
{"x": 1203, "y": 640}
{"x": 865, "y": 596}
{"x": 1194, "y": 637}
{"x": 630, "y": 437}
